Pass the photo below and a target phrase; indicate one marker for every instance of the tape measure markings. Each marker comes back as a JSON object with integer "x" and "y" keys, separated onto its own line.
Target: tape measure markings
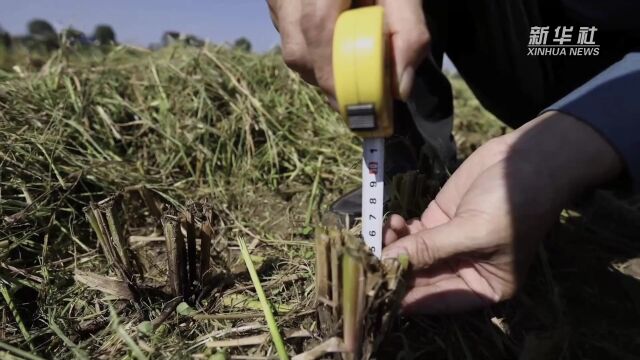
{"x": 373, "y": 193}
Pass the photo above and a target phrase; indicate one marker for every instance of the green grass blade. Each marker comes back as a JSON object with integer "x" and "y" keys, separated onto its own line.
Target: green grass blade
{"x": 19, "y": 352}
{"x": 266, "y": 306}
{"x": 16, "y": 315}
{"x": 77, "y": 351}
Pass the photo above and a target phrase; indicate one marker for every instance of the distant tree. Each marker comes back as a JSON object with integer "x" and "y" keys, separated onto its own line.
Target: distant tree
{"x": 104, "y": 35}
{"x": 194, "y": 41}
{"x": 170, "y": 37}
{"x": 174, "y": 37}
{"x": 39, "y": 27}
{"x": 242, "y": 44}
{"x": 43, "y": 33}
{"x": 74, "y": 37}
{"x": 5, "y": 38}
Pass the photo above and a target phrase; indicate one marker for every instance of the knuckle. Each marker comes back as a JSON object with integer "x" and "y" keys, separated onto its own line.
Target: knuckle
{"x": 311, "y": 25}
{"x": 294, "y": 56}
{"x": 425, "y": 254}
{"x": 414, "y": 44}
{"x": 421, "y": 38}
{"x": 315, "y": 25}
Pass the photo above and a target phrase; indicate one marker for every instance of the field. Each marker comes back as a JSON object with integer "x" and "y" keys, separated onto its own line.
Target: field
{"x": 243, "y": 135}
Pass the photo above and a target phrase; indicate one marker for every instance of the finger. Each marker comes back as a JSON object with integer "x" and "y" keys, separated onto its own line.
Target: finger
{"x": 430, "y": 246}
{"x": 434, "y": 216}
{"x": 409, "y": 40}
{"x": 451, "y": 295}
{"x": 362, "y": 3}
{"x": 394, "y": 229}
{"x": 273, "y": 6}
{"x": 415, "y": 226}
{"x": 287, "y": 16}
{"x": 460, "y": 181}
{"x": 318, "y": 22}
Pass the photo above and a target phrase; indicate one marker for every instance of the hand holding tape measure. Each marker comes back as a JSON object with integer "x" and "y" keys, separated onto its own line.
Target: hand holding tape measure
{"x": 306, "y": 29}
{"x": 362, "y": 86}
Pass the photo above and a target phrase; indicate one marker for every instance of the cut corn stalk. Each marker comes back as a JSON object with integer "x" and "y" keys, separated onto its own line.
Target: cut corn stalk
{"x": 103, "y": 220}
{"x": 322, "y": 267}
{"x": 352, "y": 274}
{"x": 176, "y": 255}
{"x": 336, "y": 248}
{"x": 151, "y": 202}
{"x": 364, "y": 292}
{"x": 206, "y": 234}
{"x": 188, "y": 222}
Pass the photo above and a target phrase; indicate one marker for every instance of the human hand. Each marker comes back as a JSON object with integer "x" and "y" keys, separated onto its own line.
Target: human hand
{"x": 474, "y": 242}
{"x": 306, "y": 28}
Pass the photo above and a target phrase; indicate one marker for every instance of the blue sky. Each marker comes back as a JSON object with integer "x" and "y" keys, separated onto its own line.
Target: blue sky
{"x": 143, "y": 21}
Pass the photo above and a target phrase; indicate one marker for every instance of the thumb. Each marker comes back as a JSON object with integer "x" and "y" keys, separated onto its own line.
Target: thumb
{"x": 430, "y": 246}
{"x": 409, "y": 40}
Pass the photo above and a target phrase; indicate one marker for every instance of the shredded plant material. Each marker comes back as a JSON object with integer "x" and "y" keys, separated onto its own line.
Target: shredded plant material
{"x": 111, "y": 162}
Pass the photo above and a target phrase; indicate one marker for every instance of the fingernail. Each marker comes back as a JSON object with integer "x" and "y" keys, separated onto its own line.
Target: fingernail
{"x": 406, "y": 82}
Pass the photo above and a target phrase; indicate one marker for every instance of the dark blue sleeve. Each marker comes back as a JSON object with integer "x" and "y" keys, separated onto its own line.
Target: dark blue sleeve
{"x": 610, "y": 103}
{"x": 608, "y": 15}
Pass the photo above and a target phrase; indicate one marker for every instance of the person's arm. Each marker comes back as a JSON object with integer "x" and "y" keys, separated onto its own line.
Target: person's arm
{"x": 610, "y": 104}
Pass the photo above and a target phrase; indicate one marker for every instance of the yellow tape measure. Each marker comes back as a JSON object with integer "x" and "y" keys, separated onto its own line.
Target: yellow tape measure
{"x": 360, "y": 66}
{"x": 360, "y": 71}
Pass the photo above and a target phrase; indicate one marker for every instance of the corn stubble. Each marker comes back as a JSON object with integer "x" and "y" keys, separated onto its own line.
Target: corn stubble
{"x": 104, "y": 219}
{"x": 188, "y": 265}
{"x": 356, "y": 290}
{"x": 357, "y": 295}
{"x": 185, "y": 268}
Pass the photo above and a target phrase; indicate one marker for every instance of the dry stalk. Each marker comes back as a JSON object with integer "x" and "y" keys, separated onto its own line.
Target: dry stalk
{"x": 176, "y": 254}
{"x": 322, "y": 267}
{"x": 103, "y": 220}
{"x": 364, "y": 293}
{"x": 206, "y": 235}
{"x": 190, "y": 271}
{"x": 188, "y": 222}
{"x": 150, "y": 200}
{"x": 336, "y": 248}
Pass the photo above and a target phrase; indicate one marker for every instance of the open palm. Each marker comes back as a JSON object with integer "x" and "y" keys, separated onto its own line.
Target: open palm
{"x": 474, "y": 242}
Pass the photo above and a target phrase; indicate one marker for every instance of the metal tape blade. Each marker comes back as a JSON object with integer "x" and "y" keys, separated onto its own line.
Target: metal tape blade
{"x": 373, "y": 193}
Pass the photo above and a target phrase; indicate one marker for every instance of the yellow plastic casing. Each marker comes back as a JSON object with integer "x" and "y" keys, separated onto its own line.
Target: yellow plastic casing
{"x": 360, "y": 68}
